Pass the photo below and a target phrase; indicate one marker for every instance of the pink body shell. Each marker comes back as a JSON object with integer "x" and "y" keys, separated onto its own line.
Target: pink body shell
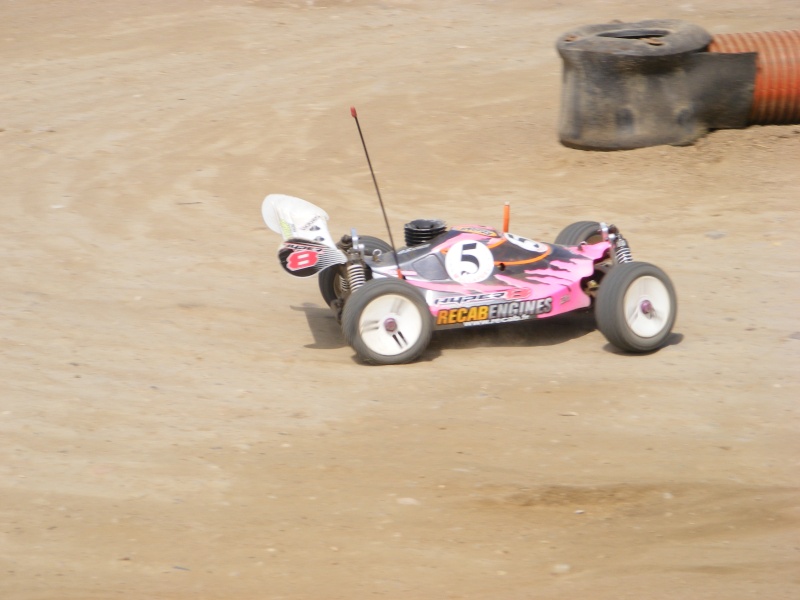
{"x": 506, "y": 278}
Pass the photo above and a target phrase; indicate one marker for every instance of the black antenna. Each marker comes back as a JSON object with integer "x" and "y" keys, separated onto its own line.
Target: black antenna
{"x": 377, "y": 190}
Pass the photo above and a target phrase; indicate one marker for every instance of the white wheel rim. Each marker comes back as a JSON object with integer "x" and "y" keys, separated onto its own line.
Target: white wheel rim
{"x": 647, "y": 306}
{"x": 390, "y": 324}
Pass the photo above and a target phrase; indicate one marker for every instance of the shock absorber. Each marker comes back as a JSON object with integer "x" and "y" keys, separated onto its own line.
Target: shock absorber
{"x": 622, "y": 250}
{"x": 344, "y": 283}
{"x": 355, "y": 275}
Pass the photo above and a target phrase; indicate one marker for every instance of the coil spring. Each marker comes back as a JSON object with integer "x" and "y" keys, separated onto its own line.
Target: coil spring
{"x": 623, "y": 251}
{"x": 355, "y": 275}
{"x": 344, "y": 284}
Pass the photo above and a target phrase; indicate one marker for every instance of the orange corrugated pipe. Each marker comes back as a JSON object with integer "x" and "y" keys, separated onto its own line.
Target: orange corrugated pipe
{"x": 776, "y": 98}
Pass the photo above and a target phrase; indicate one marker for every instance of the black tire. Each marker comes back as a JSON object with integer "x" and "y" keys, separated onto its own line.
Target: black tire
{"x": 636, "y": 307}
{"x": 387, "y": 322}
{"x": 581, "y": 231}
{"x": 330, "y": 280}
{"x": 372, "y": 243}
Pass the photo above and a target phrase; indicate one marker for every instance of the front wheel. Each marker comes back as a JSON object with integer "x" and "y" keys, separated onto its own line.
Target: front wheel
{"x": 387, "y": 322}
{"x": 636, "y": 307}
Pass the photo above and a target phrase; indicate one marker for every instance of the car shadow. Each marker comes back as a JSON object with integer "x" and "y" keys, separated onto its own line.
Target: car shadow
{"x": 531, "y": 333}
{"x": 327, "y": 333}
{"x": 323, "y": 326}
{"x": 673, "y": 340}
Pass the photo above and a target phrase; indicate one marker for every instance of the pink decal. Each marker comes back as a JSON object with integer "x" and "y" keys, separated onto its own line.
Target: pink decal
{"x": 302, "y": 259}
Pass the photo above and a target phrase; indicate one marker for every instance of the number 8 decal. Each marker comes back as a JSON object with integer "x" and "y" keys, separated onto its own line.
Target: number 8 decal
{"x": 301, "y": 259}
{"x": 469, "y": 261}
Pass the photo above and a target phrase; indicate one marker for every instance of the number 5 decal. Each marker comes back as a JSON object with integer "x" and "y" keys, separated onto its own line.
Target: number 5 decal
{"x": 469, "y": 262}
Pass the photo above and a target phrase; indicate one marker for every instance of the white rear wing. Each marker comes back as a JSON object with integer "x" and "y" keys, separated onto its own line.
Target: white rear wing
{"x": 295, "y": 218}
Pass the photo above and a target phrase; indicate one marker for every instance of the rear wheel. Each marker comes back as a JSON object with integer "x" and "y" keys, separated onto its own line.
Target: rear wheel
{"x": 581, "y": 231}
{"x": 330, "y": 280}
{"x": 636, "y": 307}
{"x": 387, "y": 322}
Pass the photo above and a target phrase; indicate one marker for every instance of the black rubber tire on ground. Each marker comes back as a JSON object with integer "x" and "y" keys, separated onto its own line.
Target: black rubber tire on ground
{"x": 387, "y": 322}
{"x": 636, "y": 307}
{"x": 581, "y": 231}
{"x": 330, "y": 279}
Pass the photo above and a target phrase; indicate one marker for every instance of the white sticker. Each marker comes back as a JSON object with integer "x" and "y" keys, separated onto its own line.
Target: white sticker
{"x": 525, "y": 243}
{"x": 469, "y": 261}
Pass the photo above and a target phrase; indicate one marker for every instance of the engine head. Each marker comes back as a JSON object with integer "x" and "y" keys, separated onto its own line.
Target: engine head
{"x": 420, "y": 231}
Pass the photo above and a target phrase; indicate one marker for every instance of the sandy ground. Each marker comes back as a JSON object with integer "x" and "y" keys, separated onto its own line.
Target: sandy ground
{"x": 180, "y": 419}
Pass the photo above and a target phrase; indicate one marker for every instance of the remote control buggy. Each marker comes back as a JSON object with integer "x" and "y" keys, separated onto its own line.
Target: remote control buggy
{"x": 389, "y": 301}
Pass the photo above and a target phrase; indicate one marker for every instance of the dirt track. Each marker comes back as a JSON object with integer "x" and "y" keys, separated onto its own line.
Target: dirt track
{"x": 180, "y": 419}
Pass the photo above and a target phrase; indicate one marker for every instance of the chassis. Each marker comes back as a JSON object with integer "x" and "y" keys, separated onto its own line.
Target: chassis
{"x": 389, "y": 303}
